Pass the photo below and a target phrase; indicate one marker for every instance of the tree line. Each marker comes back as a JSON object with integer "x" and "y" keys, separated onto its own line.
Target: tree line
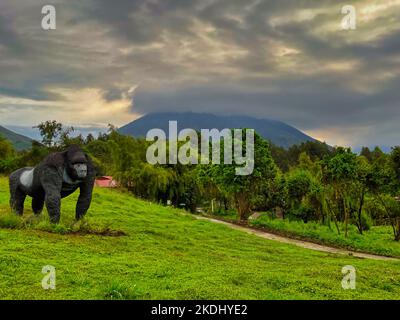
{"x": 309, "y": 182}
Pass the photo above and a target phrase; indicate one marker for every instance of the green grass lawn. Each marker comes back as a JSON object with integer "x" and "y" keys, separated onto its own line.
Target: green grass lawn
{"x": 167, "y": 254}
{"x": 378, "y": 240}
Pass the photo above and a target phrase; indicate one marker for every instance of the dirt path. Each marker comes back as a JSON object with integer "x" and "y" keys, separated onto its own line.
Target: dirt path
{"x": 300, "y": 243}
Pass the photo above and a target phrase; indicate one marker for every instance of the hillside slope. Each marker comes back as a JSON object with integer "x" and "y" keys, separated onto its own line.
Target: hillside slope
{"x": 19, "y": 141}
{"x": 278, "y": 132}
{"x": 168, "y": 254}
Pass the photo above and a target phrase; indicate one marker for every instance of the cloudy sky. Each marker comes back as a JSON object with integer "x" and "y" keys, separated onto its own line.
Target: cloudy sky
{"x": 112, "y": 61}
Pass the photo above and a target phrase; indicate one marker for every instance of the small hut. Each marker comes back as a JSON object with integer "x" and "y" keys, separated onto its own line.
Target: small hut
{"x": 105, "y": 182}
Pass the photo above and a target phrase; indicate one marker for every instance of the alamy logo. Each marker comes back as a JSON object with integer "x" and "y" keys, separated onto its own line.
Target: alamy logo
{"x": 49, "y": 280}
{"x": 49, "y": 20}
{"x": 349, "y": 278}
{"x": 188, "y": 153}
{"x": 349, "y": 21}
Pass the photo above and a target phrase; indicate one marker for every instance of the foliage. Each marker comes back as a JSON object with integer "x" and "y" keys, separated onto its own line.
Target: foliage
{"x": 312, "y": 182}
{"x": 376, "y": 240}
{"x": 290, "y": 158}
{"x": 242, "y": 189}
{"x": 299, "y": 185}
{"x": 392, "y": 209}
{"x": 50, "y": 131}
{"x": 6, "y": 149}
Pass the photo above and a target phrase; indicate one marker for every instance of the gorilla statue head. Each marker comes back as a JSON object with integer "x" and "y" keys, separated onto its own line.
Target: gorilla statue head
{"x": 76, "y": 163}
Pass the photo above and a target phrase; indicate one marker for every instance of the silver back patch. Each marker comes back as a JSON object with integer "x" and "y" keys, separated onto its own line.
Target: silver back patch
{"x": 26, "y": 178}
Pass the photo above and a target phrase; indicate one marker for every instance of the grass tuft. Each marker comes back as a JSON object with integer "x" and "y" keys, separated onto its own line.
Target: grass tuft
{"x": 10, "y": 221}
{"x": 121, "y": 291}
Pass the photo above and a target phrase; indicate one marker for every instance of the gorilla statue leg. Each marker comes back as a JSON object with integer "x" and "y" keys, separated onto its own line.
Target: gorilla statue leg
{"x": 17, "y": 196}
{"x": 51, "y": 182}
{"x": 37, "y": 205}
{"x": 17, "y": 201}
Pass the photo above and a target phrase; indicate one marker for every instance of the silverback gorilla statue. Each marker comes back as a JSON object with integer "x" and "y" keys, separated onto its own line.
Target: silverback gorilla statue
{"x": 56, "y": 177}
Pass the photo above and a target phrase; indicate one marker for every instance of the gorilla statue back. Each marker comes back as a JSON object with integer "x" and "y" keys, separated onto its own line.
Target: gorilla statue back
{"x": 56, "y": 177}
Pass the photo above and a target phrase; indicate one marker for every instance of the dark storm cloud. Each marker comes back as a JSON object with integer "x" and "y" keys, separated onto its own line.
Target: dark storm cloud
{"x": 329, "y": 106}
{"x": 279, "y": 59}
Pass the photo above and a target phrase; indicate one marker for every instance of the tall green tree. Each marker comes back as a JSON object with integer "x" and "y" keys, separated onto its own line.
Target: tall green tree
{"x": 243, "y": 189}
{"x": 339, "y": 172}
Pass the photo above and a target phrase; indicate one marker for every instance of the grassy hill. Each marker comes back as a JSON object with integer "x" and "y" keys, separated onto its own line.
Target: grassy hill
{"x": 19, "y": 141}
{"x": 167, "y": 254}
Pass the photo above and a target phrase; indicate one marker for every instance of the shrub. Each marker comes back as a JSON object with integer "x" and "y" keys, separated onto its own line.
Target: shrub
{"x": 299, "y": 185}
{"x": 375, "y": 211}
{"x": 303, "y": 212}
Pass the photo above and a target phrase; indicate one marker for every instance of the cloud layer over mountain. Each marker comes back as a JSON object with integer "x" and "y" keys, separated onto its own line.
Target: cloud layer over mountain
{"x": 111, "y": 61}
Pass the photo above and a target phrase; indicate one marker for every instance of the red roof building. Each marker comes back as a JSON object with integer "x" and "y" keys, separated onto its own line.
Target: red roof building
{"x": 105, "y": 182}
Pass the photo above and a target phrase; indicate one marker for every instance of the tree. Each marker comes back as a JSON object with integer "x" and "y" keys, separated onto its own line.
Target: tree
{"x": 66, "y": 140}
{"x": 357, "y": 190}
{"x": 316, "y": 150}
{"x": 377, "y": 153}
{"x": 50, "y": 131}
{"x": 366, "y": 152}
{"x": 89, "y": 138}
{"x": 277, "y": 195}
{"x": 395, "y": 161}
{"x": 384, "y": 184}
{"x": 243, "y": 189}
{"x": 392, "y": 208}
{"x": 209, "y": 189}
{"x": 298, "y": 186}
{"x": 339, "y": 172}
{"x": 280, "y": 156}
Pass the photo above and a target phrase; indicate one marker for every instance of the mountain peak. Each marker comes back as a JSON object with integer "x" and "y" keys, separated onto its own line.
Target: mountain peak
{"x": 276, "y": 131}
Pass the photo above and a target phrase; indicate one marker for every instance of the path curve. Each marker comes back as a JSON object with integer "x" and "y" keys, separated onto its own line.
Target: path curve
{"x": 299, "y": 243}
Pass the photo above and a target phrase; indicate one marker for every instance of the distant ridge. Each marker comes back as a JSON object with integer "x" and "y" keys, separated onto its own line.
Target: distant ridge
{"x": 278, "y": 132}
{"x": 19, "y": 141}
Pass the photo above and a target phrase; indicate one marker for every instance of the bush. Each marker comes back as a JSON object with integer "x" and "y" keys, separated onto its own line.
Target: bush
{"x": 303, "y": 212}
{"x": 375, "y": 211}
{"x": 299, "y": 185}
{"x": 9, "y": 165}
